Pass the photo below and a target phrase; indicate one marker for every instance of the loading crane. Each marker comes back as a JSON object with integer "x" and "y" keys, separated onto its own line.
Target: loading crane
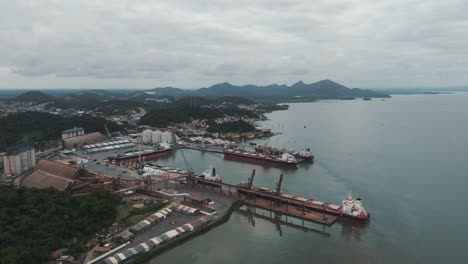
{"x": 278, "y": 185}
{"x": 191, "y": 176}
{"x": 250, "y": 180}
{"x": 107, "y": 130}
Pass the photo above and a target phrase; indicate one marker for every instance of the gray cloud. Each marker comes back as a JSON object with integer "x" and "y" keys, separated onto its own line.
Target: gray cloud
{"x": 182, "y": 43}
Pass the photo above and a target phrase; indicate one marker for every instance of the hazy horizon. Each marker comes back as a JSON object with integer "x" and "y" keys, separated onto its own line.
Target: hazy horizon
{"x": 448, "y": 88}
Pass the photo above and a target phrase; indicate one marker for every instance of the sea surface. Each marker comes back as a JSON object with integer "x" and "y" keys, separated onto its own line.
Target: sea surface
{"x": 406, "y": 157}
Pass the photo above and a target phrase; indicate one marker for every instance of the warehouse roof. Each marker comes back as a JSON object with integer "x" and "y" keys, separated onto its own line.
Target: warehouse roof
{"x": 197, "y": 198}
{"x": 91, "y": 138}
{"x": 58, "y": 169}
{"x": 51, "y": 174}
{"x": 75, "y": 129}
{"x": 41, "y": 179}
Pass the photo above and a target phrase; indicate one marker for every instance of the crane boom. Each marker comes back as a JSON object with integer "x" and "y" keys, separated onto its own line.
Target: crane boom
{"x": 107, "y": 130}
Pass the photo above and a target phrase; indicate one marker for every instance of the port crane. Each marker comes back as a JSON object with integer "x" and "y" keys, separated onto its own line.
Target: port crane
{"x": 191, "y": 175}
{"x": 250, "y": 180}
{"x": 278, "y": 185}
{"x": 107, "y": 130}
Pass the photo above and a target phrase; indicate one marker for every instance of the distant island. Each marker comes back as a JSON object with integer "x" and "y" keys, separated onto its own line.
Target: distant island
{"x": 324, "y": 89}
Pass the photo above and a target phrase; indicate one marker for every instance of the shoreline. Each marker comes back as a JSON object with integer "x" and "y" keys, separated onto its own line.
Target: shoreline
{"x": 147, "y": 256}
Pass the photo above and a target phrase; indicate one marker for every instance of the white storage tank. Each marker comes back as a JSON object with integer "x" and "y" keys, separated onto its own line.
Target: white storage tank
{"x": 157, "y": 136}
{"x": 147, "y": 136}
{"x": 166, "y": 137}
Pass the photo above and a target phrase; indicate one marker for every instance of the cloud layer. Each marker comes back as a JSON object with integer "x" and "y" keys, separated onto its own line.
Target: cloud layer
{"x": 186, "y": 43}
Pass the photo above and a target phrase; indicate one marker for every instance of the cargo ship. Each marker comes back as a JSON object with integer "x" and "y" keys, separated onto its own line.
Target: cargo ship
{"x": 141, "y": 155}
{"x": 285, "y": 159}
{"x": 302, "y": 155}
{"x": 350, "y": 209}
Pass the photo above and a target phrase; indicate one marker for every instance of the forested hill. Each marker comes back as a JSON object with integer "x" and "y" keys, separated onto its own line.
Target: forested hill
{"x": 35, "y": 222}
{"x": 320, "y": 89}
{"x": 40, "y": 127}
{"x": 34, "y": 96}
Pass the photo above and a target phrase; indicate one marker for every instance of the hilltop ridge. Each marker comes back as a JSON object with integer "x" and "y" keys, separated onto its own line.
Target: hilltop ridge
{"x": 324, "y": 88}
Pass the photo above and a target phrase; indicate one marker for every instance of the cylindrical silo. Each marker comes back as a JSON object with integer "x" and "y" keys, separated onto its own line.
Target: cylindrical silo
{"x": 166, "y": 137}
{"x": 147, "y": 136}
{"x": 157, "y": 136}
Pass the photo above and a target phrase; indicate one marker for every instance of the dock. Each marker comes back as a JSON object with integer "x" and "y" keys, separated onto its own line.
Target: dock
{"x": 287, "y": 204}
{"x": 201, "y": 148}
{"x": 272, "y": 203}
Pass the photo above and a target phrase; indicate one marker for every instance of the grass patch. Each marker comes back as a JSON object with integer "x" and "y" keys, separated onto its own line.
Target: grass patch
{"x": 123, "y": 211}
{"x": 130, "y": 216}
{"x": 131, "y": 220}
{"x": 149, "y": 208}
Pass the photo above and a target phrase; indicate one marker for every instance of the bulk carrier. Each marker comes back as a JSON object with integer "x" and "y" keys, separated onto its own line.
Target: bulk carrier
{"x": 303, "y": 155}
{"x": 350, "y": 209}
{"x": 285, "y": 159}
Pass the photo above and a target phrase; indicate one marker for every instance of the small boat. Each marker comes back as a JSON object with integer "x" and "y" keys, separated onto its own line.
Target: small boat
{"x": 305, "y": 154}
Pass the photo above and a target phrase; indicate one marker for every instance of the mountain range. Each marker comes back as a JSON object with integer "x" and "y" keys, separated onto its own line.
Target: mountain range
{"x": 320, "y": 89}
{"x": 324, "y": 89}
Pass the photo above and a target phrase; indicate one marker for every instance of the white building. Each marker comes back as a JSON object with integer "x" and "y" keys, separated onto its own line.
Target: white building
{"x": 157, "y": 136}
{"x": 166, "y": 137}
{"x": 147, "y": 136}
{"x": 19, "y": 159}
{"x": 74, "y": 132}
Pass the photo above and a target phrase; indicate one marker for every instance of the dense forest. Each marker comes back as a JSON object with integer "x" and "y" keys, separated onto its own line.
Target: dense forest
{"x": 39, "y": 127}
{"x": 35, "y": 222}
{"x": 236, "y": 126}
{"x": 186, "y": 111}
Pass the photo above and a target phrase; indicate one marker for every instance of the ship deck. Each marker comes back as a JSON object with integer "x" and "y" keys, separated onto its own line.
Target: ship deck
{"x": 293, "y": 211}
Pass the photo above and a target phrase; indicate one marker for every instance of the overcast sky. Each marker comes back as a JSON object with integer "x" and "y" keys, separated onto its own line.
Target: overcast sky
{"x": 188, "y": 44}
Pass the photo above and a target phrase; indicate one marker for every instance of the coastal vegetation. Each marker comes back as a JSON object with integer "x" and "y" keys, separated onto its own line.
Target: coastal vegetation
{"x": 190, "y": 109}
{"x": 239, "y": 126}
{"x": 272, "y": 107}
{"x": 40, "y": 127}
{"x": 36, "y": 222}
{"x": 136, "y": 215}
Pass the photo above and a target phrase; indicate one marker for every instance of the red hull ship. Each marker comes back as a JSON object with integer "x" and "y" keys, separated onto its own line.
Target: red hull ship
{"x": 350, "y": 209}
{"x": 144, "y": 155}
{"x": 286, "y": 159}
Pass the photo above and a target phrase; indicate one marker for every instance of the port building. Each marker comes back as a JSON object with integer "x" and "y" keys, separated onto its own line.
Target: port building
{"x": 49, "y": 173}
{"x": 84, "y": 139}
{"x": 73, "y": 132}
{"x": 19, "y": 159}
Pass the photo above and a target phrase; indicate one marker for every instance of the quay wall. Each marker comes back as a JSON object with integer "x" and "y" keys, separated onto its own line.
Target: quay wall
{"x": 145, "y": 257}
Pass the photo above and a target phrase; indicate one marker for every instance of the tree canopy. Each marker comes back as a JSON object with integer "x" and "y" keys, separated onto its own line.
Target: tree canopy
{"x": 35, "y": 222}
{"x": 37, "y": 126}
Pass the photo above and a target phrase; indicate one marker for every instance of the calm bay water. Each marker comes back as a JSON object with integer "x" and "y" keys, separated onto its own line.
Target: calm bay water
{"x": 406, "y": 157}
